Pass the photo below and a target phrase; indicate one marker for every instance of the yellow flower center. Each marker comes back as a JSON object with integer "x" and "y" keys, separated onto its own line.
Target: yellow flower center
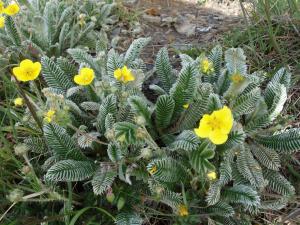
{"x": 216, "y": 126}
{"x": 153, "y": 170}
{"x": 182, "y": 210}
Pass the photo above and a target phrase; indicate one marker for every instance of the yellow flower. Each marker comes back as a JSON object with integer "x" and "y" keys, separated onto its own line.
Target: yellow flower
{"x": 182, "y": 210}
{"x": 216, "y": 126}
{"x": 18, "y": 101}
{"x": 153, "y": 170}
{"x": 27, "y": 70}
{"x": 124, "y": 74}
{"x": 186, "y": 106}
{"x": 211, "y": 175}
{"x": 12, "y": 9}
{"x": 1, "y": 6}
{"x": 237, "y": 78}
{"x": 85, "y": 76}
{"x": 2, "y": 21}
{"x": 49, "y": 116}
{"x": 206, "y": 66}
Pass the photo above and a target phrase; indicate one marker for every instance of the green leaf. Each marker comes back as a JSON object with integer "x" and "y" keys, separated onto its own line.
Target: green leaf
{"x": 114, "y": 152}
{"x": 82, "y": 57}
{"x": 214, "y": 103}
{"x": 171, "y": 198}
{"x": 166, "y": 170}
{"x": 126, "y": 131}
{"x": 128, "y": 219}
{"x": 199, "y": 158}
{"x": 267, "y": 157}
{"x": 61, "y": 144}
{"x": 250, "y": 168}
{"x": 36, "y": 144}
{"x": 103, "y": 179}
{"x": 108, "y": 106}
{"x": 183, "y": 90}
{"x": 70, "y": 170}
{"x": 197, "y": 108}
{"x": 236, "y": 61}
{"x": 241, "y": 194}
{"x": 163, "y": 111}
{"x": 235, "y": 138}
{"x": 54, "y": 75}
{"x": 49, "y": 19}
{"x": 114, "y": 61}
{"x": 287, "y": 141}
{"x": 187, "y": 141}
{"x": 278, "y": 183}
{"x": 11, "y": 31}
{"x": 67, "y": 67}
{"x": 139, "y": 105}
{"x": 215, "y": 56}
{"x": 220, "y": 209}
{"x": 213, "y": 194}
{"x": 135, "y": 50}
{"x": 245, "y": 103}
{"x": 164, "y": 69}
{"x": 278, "y": 101}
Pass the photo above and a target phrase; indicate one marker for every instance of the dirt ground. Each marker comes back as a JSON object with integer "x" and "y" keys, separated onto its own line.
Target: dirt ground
{"x": 182, "y": 24}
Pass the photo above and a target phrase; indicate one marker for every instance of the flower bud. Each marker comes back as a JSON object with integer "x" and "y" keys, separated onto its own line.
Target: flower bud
{"x": 94, "y": 19}
{"x": 15, "y": 196}
{"x": 140, "y": 133}
{"x": 146, "y": 153}
{"x": 110, "y": 134}
{"x": 125, "y": 94}
{"x": 26, "y": 170}
{"x": 140, "y": 120}
{"x": 121, "y": 203}
{"x": 110, "y": 197}
{"x": 21, "y": 149}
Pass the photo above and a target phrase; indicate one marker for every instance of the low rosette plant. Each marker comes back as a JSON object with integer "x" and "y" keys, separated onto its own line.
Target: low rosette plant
{"x": 208, "y": 149}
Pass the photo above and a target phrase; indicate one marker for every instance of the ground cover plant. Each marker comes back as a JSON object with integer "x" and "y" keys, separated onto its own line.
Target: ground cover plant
{"x": 84, "y": 144}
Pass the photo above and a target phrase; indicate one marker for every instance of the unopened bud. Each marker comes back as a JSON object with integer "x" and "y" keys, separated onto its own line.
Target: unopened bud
{"x": 140, "y": 120}
{"x": 26, "y": 170}
{"x": 21, "y": 149}
{"x": 15, "y": 195}
{"x": 146, "y": 153}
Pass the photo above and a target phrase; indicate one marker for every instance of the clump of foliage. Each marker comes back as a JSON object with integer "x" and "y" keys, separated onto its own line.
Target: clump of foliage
{"x": 51, "y": 27}
{"x": 125, "y": 140}
{"x": 207, "y": 150}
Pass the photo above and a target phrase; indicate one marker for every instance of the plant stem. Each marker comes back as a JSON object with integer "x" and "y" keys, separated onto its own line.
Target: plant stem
{"x": 68, "y": 207}
{"x": 92, "y": 93}
{"x": 29, "y": 105}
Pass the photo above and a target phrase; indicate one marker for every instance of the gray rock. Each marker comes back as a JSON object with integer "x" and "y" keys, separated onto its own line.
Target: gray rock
{"x": 152, "y": 19}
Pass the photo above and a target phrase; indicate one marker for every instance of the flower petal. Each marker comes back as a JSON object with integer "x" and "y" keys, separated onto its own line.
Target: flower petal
{"x": 77, "y": 79}
{"x": 19, "y": 74}
{"x": 118, "y": 74}
{"x": 217, "y": 137}
{"x": 26, "y": 63}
